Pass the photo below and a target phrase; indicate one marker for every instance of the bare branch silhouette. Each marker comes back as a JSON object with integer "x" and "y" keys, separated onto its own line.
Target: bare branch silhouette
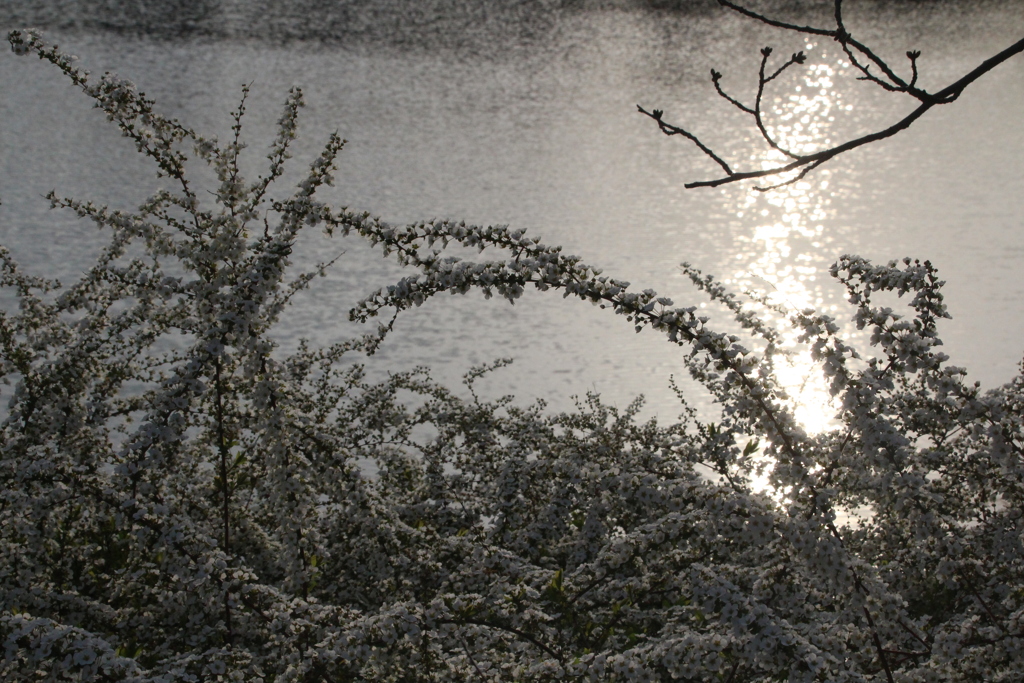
{"x": 872, "y": 69}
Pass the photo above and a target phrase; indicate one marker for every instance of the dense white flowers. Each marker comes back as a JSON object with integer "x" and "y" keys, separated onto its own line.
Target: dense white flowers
{"x": 199, "y": 510}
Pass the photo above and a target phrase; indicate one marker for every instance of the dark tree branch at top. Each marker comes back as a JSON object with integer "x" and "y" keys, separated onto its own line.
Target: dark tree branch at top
{"x": 872, "y": 68}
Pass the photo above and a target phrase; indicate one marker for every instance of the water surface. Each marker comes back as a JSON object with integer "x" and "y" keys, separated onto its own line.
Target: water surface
{"x": 525, "y": 115}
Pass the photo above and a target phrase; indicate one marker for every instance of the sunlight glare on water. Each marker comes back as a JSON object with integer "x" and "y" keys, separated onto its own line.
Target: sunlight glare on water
{"x": 783, "y": 243}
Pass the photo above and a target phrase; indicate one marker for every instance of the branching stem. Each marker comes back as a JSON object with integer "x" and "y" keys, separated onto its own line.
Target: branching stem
{"x": 863, "y": 59}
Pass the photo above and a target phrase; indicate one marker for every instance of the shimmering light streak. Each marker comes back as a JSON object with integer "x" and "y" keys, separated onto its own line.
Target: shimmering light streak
{"x": 781, "y": 256}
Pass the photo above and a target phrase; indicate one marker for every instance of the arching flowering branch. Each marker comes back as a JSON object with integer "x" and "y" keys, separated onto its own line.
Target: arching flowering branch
{"x": 743, "y": 383}
{"x": 872, "y": 69}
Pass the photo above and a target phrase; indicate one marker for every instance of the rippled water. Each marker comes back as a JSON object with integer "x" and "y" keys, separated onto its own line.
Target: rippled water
{"x": 525, "y": 115}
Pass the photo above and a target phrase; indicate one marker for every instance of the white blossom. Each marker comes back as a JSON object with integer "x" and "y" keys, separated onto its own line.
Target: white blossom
{"x": 202, "y": 512}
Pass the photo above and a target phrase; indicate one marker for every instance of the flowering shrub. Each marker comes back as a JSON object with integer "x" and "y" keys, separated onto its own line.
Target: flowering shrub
{"x": 180, "y": 502}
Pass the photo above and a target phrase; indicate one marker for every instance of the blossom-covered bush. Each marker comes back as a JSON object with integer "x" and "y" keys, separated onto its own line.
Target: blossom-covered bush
{"x": 180, "y": 501}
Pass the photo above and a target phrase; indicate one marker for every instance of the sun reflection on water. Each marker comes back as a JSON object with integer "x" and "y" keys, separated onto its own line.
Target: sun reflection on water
{"x": 783, "y": 254}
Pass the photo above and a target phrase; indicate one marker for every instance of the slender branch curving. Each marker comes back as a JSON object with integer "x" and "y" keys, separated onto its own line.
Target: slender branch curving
{"x": 872, "y": 68}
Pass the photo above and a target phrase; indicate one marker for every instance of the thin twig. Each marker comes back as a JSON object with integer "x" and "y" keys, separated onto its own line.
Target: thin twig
{"x": 716, "y": 78}
{"x": 761, "y": 82}
{"x": 472, "y": 661}
{"x": 669, "y": 129}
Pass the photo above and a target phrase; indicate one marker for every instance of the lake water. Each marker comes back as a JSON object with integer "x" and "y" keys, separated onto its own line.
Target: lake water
{"x": 524, "y": 113}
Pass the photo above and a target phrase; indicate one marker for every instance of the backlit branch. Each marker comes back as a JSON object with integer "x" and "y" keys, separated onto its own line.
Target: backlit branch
{"x": 872, "y": 68}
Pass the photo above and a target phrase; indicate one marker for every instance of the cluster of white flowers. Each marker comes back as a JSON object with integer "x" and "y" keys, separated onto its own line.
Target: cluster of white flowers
{"x": 200, "y": 510}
